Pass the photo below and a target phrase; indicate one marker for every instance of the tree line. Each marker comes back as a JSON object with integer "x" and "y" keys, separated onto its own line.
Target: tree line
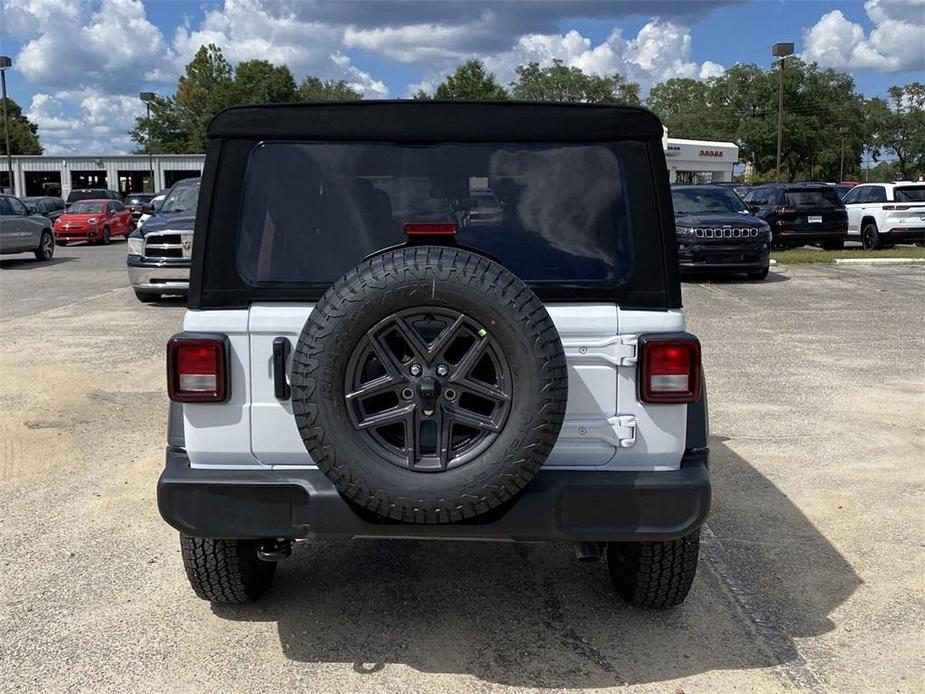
{"x": 828, "y": 125}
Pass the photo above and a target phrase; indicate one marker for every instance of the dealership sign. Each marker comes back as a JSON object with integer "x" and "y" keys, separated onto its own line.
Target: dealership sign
{"x": 712, "y": 153}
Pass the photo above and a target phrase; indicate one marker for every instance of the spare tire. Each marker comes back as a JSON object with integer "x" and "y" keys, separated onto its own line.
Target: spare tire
{"x": 429, "y": 384}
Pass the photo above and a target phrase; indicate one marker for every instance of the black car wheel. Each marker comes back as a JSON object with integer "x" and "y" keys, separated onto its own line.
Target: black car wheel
{"x": 759, "y": 275}
{"x": 870, "y": 237}
{"x": 46, "y": 249}
{"x": 105, "y": 239}
{"x": 429, "y": 384}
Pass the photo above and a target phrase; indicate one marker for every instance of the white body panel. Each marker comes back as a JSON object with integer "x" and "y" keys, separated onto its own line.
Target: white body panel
{"x": 605, "y": 424}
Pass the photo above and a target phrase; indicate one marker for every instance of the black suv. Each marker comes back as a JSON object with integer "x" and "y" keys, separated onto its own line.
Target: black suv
{"x": 801, "y": 214}
{"x": 717, "y": 233}
{"x": 364, "y": 358}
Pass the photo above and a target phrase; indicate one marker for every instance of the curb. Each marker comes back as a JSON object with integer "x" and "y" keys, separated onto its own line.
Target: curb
{"x": 879, "y": 261}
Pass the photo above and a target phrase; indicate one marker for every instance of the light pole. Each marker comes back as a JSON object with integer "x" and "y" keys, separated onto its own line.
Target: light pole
{"x": 147, "y": 98}
{"x": 841, "y": 166}
{"x": 5, "y": 62}
{"x": 780, "y": 50}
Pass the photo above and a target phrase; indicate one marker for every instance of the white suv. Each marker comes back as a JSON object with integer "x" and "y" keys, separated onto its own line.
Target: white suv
{"x": 883, "y": 214}
{"x": 361, "y": 358}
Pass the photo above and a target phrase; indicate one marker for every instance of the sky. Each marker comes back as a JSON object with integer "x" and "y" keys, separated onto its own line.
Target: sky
{"x": 78, "y": 65}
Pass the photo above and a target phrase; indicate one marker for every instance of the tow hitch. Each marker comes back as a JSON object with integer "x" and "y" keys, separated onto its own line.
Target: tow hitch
{"x": 274, "y": 549}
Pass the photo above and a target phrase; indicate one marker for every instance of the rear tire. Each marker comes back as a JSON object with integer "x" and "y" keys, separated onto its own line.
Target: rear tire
{"x": 147, "y": 297}
{"x": 226, "y": 572}
{"x": 870, "y": 237}
{"x": 759, "y": 275}
{"x": 654, "y": 574}
{"x": 46, "y": 249}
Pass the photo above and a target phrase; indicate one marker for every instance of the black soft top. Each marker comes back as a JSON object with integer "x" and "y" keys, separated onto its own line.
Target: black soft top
{"x": 438, "y": 121}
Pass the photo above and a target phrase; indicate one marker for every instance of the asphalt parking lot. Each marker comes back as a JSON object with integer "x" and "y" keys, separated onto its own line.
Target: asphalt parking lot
{"x": 811, "y": 574}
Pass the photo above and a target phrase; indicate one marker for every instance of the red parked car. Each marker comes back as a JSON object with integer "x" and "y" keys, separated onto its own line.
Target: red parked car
{"x": 94, "y": 221}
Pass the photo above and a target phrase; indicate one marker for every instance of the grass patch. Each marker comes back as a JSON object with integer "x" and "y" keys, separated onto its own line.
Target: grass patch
{"x": 802, "y": 256}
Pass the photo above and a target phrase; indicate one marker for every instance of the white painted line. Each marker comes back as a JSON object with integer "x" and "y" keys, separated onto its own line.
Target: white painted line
{"x": 879, "y": 261}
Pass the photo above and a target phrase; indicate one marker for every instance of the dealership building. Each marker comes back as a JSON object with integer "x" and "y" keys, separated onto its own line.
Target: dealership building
{"x": 699, "y": 161}
{"x": 689, "y": 161}
{"x": 128, "y": 173}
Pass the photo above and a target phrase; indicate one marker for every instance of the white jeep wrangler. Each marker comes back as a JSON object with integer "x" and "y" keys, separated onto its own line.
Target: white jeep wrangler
{"x": 365, "y": 357}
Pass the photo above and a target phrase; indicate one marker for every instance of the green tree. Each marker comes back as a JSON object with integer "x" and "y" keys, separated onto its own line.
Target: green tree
{"x": 179, "y": 122}
{"x": 315, "y": 89}
{"x": 558, "y": 82}
{"x": 686, "y": 108}
{"x": 24, "y": 137}
{"x": 261, "y": 82}
{"x": 166, "y": 131}
{"x": 470, "y": 82}
{"x": 818, "y": 104}
{"x": 896, "y": 128}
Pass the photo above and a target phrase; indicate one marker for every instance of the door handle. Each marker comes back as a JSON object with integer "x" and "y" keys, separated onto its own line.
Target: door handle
{"x": 281, "y": 349}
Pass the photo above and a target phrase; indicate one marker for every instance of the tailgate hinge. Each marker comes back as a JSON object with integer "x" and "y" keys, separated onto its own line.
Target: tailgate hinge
{"x": 618, "y": 431}
{"x": 619, "y": 350}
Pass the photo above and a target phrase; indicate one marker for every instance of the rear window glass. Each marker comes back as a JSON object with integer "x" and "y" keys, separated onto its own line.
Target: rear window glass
{"x": 813, "y": 197}
{"x": 909, "y": 194}
{"x": 551, "y": 213}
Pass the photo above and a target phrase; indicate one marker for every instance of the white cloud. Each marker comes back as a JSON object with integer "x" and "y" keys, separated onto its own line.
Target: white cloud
{"x": 897, "y": 41}
{"x": 248, "y": 29}
{"x": 107, "y": 50}
{"x": 84, "y": 122}
{"x": 661, "y": 50}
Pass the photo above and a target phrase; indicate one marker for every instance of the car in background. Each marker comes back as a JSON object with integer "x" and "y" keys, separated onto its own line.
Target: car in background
{"x": 45, "y": 206}
{"x": 22, "y": 231}
{"x": 152, "y": 207}
{"x": 717, "y": 233}
{"x": 138, "y": 203}
{"x": 91, "y": 194}
{"x": 94, "y": 221}
{"x": 801, "y": 214}
{"x": 482, "y": 208}
{"x": 159, "y": 250}
{"x": 741, "y": 189}
{"x": 883, "y": 214}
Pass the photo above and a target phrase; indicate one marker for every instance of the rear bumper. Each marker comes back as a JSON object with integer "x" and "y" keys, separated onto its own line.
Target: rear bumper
{"x": 904, "y": 235}
{"x": 809, "y": 234}
{"x": 558, "y": 505}
{"x": 158, "y": 276}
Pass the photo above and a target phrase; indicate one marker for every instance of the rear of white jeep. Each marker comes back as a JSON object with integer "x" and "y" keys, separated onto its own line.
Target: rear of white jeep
{"x": 363, "y": 357}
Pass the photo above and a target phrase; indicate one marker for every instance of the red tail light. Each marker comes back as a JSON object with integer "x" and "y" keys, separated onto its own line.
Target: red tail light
{"x": 196, "y": 369}
{"x": 412, "y": 229}
{"x": 669, "y": 369}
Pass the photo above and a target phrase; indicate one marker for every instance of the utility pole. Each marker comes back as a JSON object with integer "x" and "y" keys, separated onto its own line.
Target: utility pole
{"x": 780, "y": 50}
{"x": 6, "y": 62}
{"x": 147, "y": 98}
{"x": 841, "y": 166}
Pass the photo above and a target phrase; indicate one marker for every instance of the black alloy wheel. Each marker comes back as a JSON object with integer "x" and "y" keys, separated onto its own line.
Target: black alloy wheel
{"x": 428, "y": 389}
